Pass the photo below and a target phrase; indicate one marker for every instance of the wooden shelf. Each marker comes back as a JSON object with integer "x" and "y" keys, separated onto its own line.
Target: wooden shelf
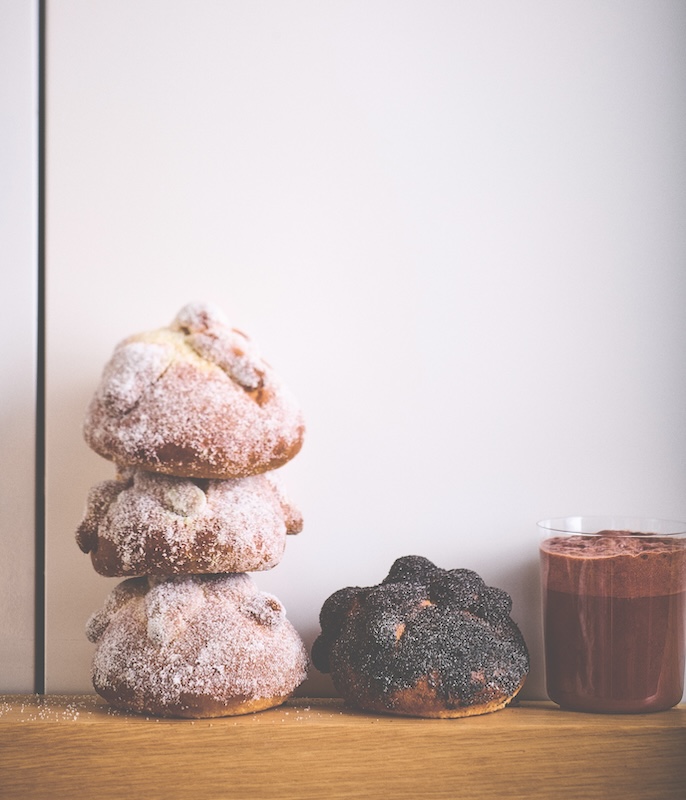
{"x": 77, "y": 747}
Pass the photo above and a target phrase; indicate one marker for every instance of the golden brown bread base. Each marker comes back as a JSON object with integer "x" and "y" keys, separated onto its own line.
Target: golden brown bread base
{"x": 422, "y": 700}
{"x": 159, "y": 559}
{"x": 190, "y": 706}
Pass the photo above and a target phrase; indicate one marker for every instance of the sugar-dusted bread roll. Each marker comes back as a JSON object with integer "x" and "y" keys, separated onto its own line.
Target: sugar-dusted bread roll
{"x": 194, "y": 646}
{"x": 193, "y": 400}
{"x": 146, "y": 523}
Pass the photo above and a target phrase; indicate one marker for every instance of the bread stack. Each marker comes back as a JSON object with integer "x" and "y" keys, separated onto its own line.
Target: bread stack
{"x": 196, "y": 423}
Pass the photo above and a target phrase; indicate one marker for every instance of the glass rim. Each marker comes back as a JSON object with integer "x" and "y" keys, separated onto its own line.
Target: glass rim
{"x": 593, "y": 525}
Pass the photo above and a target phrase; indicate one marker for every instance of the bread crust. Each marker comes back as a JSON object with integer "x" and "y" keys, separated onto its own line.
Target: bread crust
{"x": 194, "y": 646}
{"x": 193, "y": 400}
{"x": 426, "y": 700}
{"x": 189, "y": 705}
{"x": 150, "y": 524}
{"x": 425, "y": 642}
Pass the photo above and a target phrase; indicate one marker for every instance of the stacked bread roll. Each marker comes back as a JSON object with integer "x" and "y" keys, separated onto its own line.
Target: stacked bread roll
{"x": 196, "y": 424}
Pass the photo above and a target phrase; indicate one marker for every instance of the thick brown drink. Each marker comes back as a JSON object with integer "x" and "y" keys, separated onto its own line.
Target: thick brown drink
{"x": 614, "y": 607}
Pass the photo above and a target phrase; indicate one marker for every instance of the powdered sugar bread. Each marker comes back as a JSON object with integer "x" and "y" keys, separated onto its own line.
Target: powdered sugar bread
{"x": 195, "y": 400}
{"x": 146, "y": 523}
{"x": 425, "y": 642}
{"x": 194, "y": 646}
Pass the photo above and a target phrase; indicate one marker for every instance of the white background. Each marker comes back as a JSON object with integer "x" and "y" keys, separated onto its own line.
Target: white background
{"x": 456, "y": 229}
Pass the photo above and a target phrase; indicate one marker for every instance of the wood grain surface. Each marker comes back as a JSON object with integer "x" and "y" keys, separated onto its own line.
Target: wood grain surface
{"x": 76, "y": 747}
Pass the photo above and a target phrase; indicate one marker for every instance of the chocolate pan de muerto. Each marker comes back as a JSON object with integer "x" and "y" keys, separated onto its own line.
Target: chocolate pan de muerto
{"x": 425, "y": 642}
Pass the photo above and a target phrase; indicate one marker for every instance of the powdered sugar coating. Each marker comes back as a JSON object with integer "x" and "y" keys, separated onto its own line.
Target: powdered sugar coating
{"x": 199, "y": 317}
{"x": 194, "y": 646}
{"x": 223, "y": 349}
{"x": 129, "y": 372}
{"x": 152, "y": 524}
{"x": 193, "y": 400}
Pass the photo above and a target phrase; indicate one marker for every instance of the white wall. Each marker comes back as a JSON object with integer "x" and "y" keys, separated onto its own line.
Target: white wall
{"x": 18, "y": 272}
{"x": 456, "y": 230}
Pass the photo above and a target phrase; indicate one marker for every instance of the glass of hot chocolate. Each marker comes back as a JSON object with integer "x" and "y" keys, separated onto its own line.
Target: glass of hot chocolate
{"x": 614, "y": 612}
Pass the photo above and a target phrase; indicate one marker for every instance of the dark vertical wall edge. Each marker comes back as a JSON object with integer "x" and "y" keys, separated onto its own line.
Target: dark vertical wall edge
{"x": 39, "y": 634}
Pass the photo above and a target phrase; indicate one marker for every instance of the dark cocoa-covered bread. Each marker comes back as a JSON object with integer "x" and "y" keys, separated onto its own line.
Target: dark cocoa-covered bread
{"x": 145, "y": 523}
{"x": 425, "y": 642}
{"x": 194, "y": 400}
{"x": 194, "y": 646}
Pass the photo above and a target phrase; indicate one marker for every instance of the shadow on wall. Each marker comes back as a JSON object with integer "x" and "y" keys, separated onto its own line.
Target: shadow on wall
{"x": 523, "y": 584}
{"x": 73, "y": 589}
